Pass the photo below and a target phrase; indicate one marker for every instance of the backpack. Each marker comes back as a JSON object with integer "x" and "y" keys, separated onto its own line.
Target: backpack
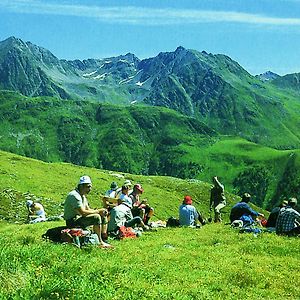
{"x": 172, "y": 222}
{"x": 126, "y": 232}
{"x": 247, "y": 220}
{"x": 54, "y": 234}
{"x": 79, "y": 237}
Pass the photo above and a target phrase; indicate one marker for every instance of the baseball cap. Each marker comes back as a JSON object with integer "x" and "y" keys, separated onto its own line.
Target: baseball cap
{"x": 84, "y": 179}
{"x": 127, "y": 182}
{"x": 29, "y": 203}
{"x": 139, "y": 187}
{"x": 114, "y": 186}
{"x": 188, "y": 200}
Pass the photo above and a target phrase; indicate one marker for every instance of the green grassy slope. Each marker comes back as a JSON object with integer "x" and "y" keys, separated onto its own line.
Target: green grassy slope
{"x": 51, "y": 182}
{"x": 143, "y": 140}
{"x": 214, "y": 262}
{"x": 209, "y": 263}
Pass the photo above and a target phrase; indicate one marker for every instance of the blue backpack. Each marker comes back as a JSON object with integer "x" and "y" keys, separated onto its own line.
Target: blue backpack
{"x": 247, "y": 220}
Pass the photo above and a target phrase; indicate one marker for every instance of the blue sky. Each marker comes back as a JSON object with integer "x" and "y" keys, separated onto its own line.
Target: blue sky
{"x": 260, "y": 34}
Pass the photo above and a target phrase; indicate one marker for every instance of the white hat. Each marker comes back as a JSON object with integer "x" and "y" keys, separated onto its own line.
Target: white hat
{"x": 127, "y": 182}
{"x": 29, "y": 203}
{"x": 84, "y": 179}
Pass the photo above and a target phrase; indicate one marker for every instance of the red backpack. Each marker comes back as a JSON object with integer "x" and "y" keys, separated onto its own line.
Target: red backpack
{"x": 126, "y": 232}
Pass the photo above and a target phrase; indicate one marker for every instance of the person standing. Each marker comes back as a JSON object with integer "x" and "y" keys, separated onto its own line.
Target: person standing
{"x": 77, "y": 212}
{"x": 217, "y": 199}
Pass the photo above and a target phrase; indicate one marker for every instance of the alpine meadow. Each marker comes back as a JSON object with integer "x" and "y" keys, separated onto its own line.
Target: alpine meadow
{"x": 171, "y": 123}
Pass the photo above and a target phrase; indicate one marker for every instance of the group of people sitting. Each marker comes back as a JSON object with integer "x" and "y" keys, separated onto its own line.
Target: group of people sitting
{"x": 122, "y": 207}
{"x": 284, "y": 219}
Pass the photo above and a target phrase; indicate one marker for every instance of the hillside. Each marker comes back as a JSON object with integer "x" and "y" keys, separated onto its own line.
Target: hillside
{"x": 23, "y": 178}
{"x": 174, "y": 263}
{"x": 144, "y": 140}
{"x": 214, "y": 262}
{"x": 211, "y": 88}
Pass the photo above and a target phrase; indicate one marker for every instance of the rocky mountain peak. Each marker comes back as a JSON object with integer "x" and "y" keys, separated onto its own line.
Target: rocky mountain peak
{"x": 267, "y": 76}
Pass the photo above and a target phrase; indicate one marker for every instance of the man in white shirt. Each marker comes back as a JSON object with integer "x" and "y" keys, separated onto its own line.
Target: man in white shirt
{"x": 77, "y": 212}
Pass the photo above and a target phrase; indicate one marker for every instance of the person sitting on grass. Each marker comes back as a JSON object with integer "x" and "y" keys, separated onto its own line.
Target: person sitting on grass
{"x": 243, "y": 211}
{"x": 110, "y": 197}
{"x": 36, "y": 212}
{"x": 140, "y": 207}
{"x": 77, "y": 212}
{"x": 124, "y": 198}
{"x": 288, "y": 221}
{"x": 121, "y": 215}
{"x": 188, "y": 214}
{"x": 127, "y": 183}
{"x": 271, "y": 223}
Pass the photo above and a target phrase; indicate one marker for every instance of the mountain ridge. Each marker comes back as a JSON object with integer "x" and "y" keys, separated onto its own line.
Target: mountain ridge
{"x": 212, "y": 88}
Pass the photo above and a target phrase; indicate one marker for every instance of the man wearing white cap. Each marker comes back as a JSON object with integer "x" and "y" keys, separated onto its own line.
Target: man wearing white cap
{"x": 77, "y": 212}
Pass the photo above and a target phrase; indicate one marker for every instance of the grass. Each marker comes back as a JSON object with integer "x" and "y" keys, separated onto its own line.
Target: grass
{"x": 214, "y": 262}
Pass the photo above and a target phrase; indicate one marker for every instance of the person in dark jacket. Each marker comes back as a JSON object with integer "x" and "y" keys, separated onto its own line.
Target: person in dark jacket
{"x": 243, "y": 211}
{"x": 271, "y": 223}
{"x": 217, "y": 199}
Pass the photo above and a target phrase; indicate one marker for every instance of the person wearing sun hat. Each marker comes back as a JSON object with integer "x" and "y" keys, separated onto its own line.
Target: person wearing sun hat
{"x": 126, "y": 183}
{"x": 140, "y": 207}
{"x": 188, "y": 214}
{"x": 77, "y": 212}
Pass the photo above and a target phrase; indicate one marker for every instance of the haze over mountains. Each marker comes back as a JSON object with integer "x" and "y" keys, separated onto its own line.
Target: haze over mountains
{"x": 109, "y": 113}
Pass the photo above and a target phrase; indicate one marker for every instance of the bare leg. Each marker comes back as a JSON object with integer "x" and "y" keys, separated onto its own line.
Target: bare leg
{"x": 97, "y": 229}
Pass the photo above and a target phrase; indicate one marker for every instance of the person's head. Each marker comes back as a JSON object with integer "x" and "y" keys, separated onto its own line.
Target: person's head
{"x": 114, "y": 186}
{"x": 284, "y": 203}
{"x": 246, "y": 197}
{"x": 187, "y": 200}
{"x": 128, "y": 183}
{"x": 138, "y": 189}
{"x": 125, "y": 189}
{"x": 29, "y": 203}
{"x": 84, "y": 185}
{"x": 292, "y": 202}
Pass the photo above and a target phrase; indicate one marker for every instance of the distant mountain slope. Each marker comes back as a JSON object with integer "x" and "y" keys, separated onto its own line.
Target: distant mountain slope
{"x": 212, "y": 88}
{"x": 290, "y": 81}
{"x": 143, "y": 140}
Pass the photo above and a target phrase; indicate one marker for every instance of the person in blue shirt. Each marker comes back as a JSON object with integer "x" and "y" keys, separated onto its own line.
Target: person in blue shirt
{"x": 188, "y": 214}
{"x": 243, "y": 211}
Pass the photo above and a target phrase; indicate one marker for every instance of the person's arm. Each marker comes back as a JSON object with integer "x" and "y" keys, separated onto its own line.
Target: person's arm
{"x": 85, "y": 211}
{"x": 128, "y": 215}
{"x": 297, "y": 219}
{"x": 252, "y": 212}
{"x": 196, "y": 215}
{"x": 218, "y": 183}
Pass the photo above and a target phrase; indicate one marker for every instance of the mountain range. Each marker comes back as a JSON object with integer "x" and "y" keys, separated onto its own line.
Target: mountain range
{"x": 185, "y": 113}
{"x": 211, "y": 88}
